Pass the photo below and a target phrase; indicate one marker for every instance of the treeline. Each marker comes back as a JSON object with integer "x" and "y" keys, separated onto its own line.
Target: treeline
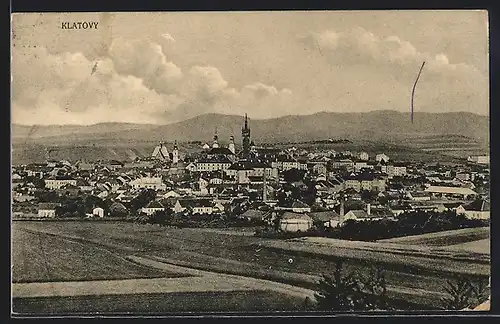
{"x": 186, "y": 220}
{"x": 409, "y": 223}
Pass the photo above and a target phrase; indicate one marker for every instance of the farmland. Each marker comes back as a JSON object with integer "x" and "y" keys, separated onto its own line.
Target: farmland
{"x": 69, "y": 251}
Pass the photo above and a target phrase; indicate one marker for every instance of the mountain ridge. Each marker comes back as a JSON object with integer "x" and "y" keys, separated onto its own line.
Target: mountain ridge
{"x": 383, "y": 125}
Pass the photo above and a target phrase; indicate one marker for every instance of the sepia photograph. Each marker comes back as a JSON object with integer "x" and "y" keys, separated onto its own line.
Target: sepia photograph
{"x": 249, "y": 162}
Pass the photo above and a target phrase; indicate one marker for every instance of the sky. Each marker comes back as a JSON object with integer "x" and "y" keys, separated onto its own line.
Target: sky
{"x": 166, "y": 67}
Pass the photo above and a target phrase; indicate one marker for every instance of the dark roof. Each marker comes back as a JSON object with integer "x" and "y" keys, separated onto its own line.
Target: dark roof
{"x": 215, "y": 159}
{"x": 324, "y": 216}
{"x": 299, "y": 204}
{"x": 220, "y": 150}
{"x": 195, "y": 203}
{"x": 291, "y": 215}
{"x": 48, "y": 206}
{"x": 252, "y": 214}
{"x": 240, "y": 166}
{"x": 155, "y": 204}
{"x": 478, "y": 205}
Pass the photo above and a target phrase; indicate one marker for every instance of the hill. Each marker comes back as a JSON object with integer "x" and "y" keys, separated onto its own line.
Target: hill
{"x": 453, "y": 134}
{"x": 388, "y": 126}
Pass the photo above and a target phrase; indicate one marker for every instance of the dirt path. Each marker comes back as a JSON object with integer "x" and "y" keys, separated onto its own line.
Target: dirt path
{"x": 201, "y": 281}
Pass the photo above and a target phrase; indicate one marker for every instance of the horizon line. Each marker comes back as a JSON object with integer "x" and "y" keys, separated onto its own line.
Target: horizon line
{"x": 236, "y": 115}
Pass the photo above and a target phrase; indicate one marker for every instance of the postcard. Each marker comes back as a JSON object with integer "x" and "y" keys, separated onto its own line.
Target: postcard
{"x": 249, "y": 162}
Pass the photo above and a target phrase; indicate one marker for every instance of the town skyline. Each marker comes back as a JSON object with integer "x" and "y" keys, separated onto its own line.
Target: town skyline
{"x": 173, "y": 67}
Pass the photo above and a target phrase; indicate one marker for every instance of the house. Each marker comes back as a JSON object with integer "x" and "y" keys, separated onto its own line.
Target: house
{"x": 481, "y": 159}
{"x": 252, "y": 214}
{"x": 450, "y": 192}
{"x": 194, "y": 206}
{"x": 216, "y": 163}
{"x": 364, "y": 156}
{"x": 326, "y": 219}
{"x": 155, "y": 183}
{"x": 295, "y": 222}
{"x": 478, "y": 209}
{"x": 47, "y": 210}
{"x": 191, "y": 167}
{"x": 300, "y": 207}
{"x": 153, "y": 207}
{"x": 319, "y": 168}
{"x": 172, "y": 194}
{"x": 381, "y": 157}
{"x": 418, "y": 196}
{"x": 360, "y": 215}
{"x": 58, "y": 182}
{"x": 395, "y": 170}
{"x": 98, "y": 211}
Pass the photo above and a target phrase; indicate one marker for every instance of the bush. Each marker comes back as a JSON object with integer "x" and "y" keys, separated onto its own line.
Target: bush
{"x": 464, "y": 293}
{"x": 350, "y": 292}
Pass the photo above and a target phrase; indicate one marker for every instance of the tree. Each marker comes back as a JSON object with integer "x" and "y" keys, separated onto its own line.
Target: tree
{"x": 118, "y": 210}
{"x": 293, "y": 175}
{"x": 162, "y": 217}
{"x": 464, "y": 293}
{"x": 142, "y": 199}
{"x": 91, "y": 202}
{"x": 46, "y": 196}
{"x": 347, "y": 292}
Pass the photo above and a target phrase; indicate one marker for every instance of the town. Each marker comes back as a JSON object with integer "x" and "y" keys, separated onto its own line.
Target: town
{"x": 287, "y": 190}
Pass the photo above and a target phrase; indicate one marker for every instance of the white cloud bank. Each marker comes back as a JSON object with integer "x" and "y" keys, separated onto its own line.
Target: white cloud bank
{"x": 134, "y": 82}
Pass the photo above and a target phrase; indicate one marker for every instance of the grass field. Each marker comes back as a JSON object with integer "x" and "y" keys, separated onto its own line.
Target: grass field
{"x": 227, "y": 251}
{"x": 39, "y": 257}
{"x": 445, "y": 238}
{"x": 160, "y": 303}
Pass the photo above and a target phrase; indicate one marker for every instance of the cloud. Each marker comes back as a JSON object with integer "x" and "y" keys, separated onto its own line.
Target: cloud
{"x": 134, "y": 82}
{"x": 386, "y": 66}
{"x": 145, "y": 60}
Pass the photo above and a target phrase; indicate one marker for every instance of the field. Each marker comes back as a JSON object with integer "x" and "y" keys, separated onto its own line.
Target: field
{"x": 445, "y": 238}
{"x": 38, "y": 257}
{"x": 69, "y": 251}
{"x": 151, "y": 304}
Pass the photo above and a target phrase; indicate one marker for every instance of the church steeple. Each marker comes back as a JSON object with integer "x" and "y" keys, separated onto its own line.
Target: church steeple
{"x": 216, "y": 139}
{"x": 245, "y": 134}
{"x": 231, "y": 144}
{"x": 175, "y": 153}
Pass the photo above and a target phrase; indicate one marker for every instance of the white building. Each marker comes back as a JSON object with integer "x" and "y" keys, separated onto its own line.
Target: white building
{"x": 479, "y": 159}
{"x": 479, "y": 209}
{"x": 47, "y": 210}
{"x": 98, "y": 211}
{"x": 153, "y": 207}
{"x": 295, "y": 222}
{"x": 381, "y": 157}
{"x": 155, "y": 183}
{"x": 364, "y": 156}
{"x": 58, "y": 183}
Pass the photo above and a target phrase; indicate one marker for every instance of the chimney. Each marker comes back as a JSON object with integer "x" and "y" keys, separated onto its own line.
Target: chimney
{"x": 342, "y": 205}
{"x": 368, "y": 209}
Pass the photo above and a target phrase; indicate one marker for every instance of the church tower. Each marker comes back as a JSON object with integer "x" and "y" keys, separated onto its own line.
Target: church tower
{"x": 216, "y": 140}
{"x": 175, "y": 153}
{"x": 245, "y": 134}
{"x": 231, "y": 144}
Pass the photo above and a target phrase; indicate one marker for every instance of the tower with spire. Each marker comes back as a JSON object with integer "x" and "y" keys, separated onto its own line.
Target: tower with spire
{"x": 245, "y": 134}
{"x": 216, "y": 139}
{"x": 175, "y": 153}
{"x": 231, "y": 144}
